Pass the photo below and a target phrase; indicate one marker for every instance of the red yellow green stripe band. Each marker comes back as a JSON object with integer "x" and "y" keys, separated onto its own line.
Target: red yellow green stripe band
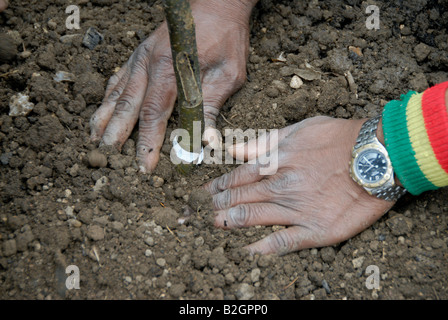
{"x": 424, "y": 153}
{"x": 416, "y": 138}
{"x": 436, "y": 121}
{"x": 399, "y": 147}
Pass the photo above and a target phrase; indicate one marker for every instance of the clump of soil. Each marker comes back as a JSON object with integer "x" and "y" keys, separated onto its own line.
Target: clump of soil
{"x": 60, "y": 206}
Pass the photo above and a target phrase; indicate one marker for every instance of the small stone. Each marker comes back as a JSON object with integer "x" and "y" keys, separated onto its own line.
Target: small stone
{"x": 400, "y": 225}
{"x": 117, "y": 225}
{"x": 296, "y": 82}
{"x": 149, "y": 241}
{"x": 437, "y": 243}
{"x": 199, "y": 241}
{"x": 75, "y": 223}
{"x": 96, "y": 159}
{"x": 69, "y": 211}
{"x": 128, "y": 279}
{"x": 9, "y": 247}
{"x": 148, "y": 252}
{"x": 357, "y": 262}
{"x": 23, "y": 239}
{"x": 69, "y": 38}
{"x": 421, "y": 51}
{"x": 100, "y": 183}
{"x": 161, "y": 262}
{"x": 95, "y": 233}
{"x": 179, "y": 192}
{"x": 157, "y": 182}
{"x": 19, "y": 105}
{"x": 255, "y": 275}
{"x": 245, "y": 292}
{"x": 92, "y": 38}
{"x": 177, "y": 290}
{"x": 328, "y": 254}
{"x": 52, "y": 24}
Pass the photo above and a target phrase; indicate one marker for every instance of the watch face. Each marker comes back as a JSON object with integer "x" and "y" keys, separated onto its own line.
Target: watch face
{"x": 371, "y": 166}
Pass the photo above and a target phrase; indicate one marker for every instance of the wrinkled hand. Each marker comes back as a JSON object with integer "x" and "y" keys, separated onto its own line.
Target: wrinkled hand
{"x": 144, "y": 88}
{"x": 312, "y": 191}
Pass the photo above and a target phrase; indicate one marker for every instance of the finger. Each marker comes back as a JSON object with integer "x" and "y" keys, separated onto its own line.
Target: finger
{"x": 127, "y": 108}
{"x": 257, "y": 147}
{"x": 254, "y": 214}
{"x": 102, "y": 116}
{"x": 156, "y": 111}
{"x": 217, "y": 87}
{"x": 285, "y": 241}
{"x": 211, "y": 135}
{"x": 248, "y": 193}
{"x": 3, "y": 5}
{"x": 244, "y": 174}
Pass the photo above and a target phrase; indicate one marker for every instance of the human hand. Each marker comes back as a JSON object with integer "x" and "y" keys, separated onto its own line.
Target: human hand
{"x": 144, "y": 88}
{"x": 311, "y": 192}
{"x": 3, "y": 5}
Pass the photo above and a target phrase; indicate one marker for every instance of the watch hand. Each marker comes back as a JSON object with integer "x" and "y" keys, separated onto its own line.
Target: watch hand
{"x": 367, "y": 160}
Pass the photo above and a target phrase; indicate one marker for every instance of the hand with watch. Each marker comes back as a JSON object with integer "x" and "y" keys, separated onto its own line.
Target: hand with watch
{"x": 313, "y": 191}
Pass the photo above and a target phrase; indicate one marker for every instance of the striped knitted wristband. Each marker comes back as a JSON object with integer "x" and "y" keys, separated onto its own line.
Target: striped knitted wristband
{"x": 416, "y": 137}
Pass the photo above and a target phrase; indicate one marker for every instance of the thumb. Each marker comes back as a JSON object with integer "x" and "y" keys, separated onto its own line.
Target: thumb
{"x": 216, "y": 89}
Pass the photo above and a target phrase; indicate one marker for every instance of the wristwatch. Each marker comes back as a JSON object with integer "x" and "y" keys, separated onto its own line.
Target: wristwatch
{"x": 370, "y": 165}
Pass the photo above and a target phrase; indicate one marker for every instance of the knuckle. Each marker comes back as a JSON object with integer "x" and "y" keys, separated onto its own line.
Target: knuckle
{"x": 239, "y": 215}
{"x": 124, "y": 106}
{"x": 222, "y": 200}
{"x": 220, "y": 184}
{"x": 211, "y": 112}
{"x": 281, "y": 242}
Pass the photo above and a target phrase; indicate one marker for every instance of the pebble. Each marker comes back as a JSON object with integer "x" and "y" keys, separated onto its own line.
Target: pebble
{"x": 157, "y": 182}
{"x": 117, "y": 225}
{"x": 96, "y": 159}
{"x": 161, "y": 262}
{"x": 100, "y": 183}
{"x": 296, "y": 82}
{"x": 148, "y": 252}
{"x": 149, "y": 241}
{"x": 95, "y": 233}
{"x": 75, "y": 223}
{"x": 400, "y": 225}
{"x": 357, "y": 262}
{"x": 19, "y": 105}
{"x": 255, "y": 274}
{"x": 69, "y": 211}
{"x": 92, "y": 38}
{"x": 199, "y": 241}
{"x": 68, "y": 38}
{"x": 9, "y": 247}
{"x": 245, "y": 292}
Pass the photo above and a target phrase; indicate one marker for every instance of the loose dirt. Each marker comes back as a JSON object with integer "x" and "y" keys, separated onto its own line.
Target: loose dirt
{"x": 60, "y": 205}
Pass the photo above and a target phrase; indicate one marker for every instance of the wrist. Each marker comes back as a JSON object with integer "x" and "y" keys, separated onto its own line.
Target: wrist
{"x": 380, "y": 137}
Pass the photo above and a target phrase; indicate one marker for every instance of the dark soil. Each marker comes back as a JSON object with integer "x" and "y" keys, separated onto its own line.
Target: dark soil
{"x": 120, "y": 228}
